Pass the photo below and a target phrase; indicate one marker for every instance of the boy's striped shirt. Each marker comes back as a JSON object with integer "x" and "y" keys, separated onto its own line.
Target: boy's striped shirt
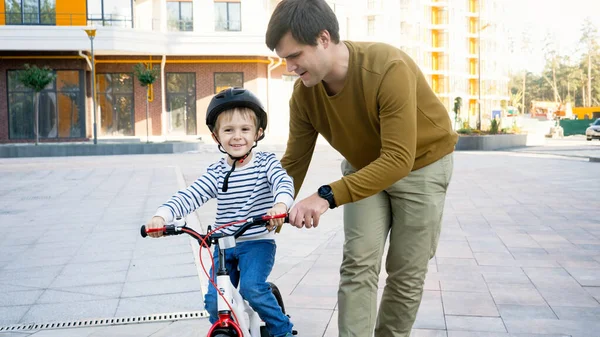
{"x": 252, "y": 191}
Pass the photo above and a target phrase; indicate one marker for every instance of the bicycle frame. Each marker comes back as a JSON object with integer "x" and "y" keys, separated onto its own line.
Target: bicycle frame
{"x": 232, "y": 307}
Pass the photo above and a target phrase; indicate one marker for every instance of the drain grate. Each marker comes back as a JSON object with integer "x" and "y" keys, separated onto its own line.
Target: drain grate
{"x": 37, "y": 197}
{"x": 105, "y": 321}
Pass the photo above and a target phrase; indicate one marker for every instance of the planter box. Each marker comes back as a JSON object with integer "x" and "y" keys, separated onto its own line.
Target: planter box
{"x": 490, "y": 142}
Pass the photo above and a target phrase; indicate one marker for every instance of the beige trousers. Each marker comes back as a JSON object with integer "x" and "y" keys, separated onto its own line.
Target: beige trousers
{"x": 410, "y": 213}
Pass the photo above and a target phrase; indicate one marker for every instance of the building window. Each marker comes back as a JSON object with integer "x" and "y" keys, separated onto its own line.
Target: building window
{"x": 181, "y": 103}
{"x": 118, "y": 13}
{"x": 115, "y": 100}
{"x": 60, "y": 107}
{"x": 180, "y": 16}
{"x": 228, "y": 16}
{"x": 227, "y": 80}
{"x": 371, "y": 26}
{"x": 30, "y": 12}
{"x": 371, "y": 4}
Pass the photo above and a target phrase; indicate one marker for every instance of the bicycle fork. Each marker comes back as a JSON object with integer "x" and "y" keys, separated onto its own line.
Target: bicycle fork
{"x": 235, "y": 299}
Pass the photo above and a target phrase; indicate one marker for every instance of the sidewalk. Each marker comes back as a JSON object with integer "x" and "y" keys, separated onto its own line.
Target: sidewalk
{"x": 573, "y": 146}
{"x": 519, "y": 253}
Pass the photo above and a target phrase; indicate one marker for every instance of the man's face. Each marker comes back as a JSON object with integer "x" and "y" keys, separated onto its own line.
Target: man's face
{"x": 308, "y": 62}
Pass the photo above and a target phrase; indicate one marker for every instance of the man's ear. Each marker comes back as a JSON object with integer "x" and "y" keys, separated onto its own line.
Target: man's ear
{"x": 259, "y": 133}
{"x": 324, "y": 38}
{"x": 215, "y": 138}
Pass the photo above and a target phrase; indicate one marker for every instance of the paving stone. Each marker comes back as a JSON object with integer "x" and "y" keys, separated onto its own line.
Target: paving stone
{"x": 431, "y": 312}
{"x": 468, "y": 304}
{"x": 513, "y": 311}
{"x": 466, "y": 323}
{"x": 494, "y": 274}
{"x": 577, "y": 313}
{"x": 517, "y": 294}
{"x": 552, "y": 326}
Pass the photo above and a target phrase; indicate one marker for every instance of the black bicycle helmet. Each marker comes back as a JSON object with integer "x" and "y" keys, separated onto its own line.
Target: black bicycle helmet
{"x": 235, "y": 97}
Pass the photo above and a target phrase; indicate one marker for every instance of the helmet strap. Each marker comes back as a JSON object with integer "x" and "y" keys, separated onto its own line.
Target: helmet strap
{"x": 235, "y": 160}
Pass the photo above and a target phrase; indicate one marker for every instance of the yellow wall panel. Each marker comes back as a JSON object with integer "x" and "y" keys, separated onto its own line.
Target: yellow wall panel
{"x": 71, "y": 12}
{"x": 2, "y": 15}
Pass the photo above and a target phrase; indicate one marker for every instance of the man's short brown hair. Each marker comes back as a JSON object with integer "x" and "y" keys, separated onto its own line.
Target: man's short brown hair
{"x": 305, "y": 19}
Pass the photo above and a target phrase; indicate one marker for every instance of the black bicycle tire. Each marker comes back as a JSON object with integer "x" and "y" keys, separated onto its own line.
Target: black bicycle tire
{"x": 278, "y": 296}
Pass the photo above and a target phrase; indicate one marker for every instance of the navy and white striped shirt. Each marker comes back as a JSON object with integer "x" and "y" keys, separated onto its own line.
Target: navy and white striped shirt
{"x": 252, "y": 191}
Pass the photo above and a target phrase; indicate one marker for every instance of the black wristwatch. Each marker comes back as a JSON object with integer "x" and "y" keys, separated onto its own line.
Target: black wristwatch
{"x": 326, "y": 193}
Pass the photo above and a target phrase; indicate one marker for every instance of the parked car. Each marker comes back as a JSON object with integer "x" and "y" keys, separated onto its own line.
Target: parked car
{"x": 593, "y": 131}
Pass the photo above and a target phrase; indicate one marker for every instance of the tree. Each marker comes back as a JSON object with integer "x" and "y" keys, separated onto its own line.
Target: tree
{"x": 588, "y": 40}
{"x": 146, "y": 76}
{"x": 456, "y": 109}
{"x": 526, "y": 46}
{"x": 36, "y": 79}
{"x": 551, "y": 52}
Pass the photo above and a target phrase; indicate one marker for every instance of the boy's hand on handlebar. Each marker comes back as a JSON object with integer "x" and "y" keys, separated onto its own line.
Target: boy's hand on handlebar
{"x": 155, "y": 222}
{"x": 279, "y": 208}
{"x": 306, "y": 212}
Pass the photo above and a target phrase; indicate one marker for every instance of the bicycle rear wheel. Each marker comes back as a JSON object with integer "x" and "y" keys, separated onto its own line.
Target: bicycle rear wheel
{"x": 278, "y": 296}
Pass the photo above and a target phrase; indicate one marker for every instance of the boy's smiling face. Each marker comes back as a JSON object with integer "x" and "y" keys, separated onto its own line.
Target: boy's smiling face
{"x": 237, "y": 131}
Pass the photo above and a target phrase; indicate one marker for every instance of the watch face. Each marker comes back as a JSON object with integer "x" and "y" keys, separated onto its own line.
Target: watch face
{"x": 324, "y": 190}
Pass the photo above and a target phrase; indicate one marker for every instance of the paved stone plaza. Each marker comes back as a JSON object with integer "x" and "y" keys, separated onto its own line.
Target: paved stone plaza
{"x": 519, "y": 253}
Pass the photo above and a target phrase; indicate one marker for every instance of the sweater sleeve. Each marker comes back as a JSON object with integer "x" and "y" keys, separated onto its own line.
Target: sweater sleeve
{"x": 397, "y": 101}
{"x": 191, "y": 198}
{"x": 281, "y": 183}
{"x": 300, "y": 146}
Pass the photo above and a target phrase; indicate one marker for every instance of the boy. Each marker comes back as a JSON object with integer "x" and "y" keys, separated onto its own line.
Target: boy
{"x": 245, "y": 184}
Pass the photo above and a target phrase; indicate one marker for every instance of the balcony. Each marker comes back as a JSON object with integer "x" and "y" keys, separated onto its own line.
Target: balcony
{"x": 115, "y": 40}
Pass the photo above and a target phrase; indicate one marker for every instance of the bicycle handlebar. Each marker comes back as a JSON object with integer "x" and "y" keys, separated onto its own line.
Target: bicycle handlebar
{"x": 247, "y": 223}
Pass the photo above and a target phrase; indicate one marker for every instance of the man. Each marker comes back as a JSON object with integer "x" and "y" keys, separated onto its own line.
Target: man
{"x": 371, "y": 102}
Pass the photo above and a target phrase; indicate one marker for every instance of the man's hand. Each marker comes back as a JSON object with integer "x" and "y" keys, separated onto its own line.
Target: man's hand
{"x": 155, "y": 222}
{"x": 307, "y": 211}
{"x": 279, "y": 208}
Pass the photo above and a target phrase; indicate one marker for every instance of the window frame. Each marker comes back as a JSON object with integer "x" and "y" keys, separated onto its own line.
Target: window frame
{"x": 225, "y": 72}
{"x": 179, "y": 19}
{"x": 103, "y": 21}
{"x": 169, "y": 94}
{"x": 114, "y": 92}
{"x": 22, "y": 14}
{"x": 53, "y": 89}
{"x": 228, "y": 20}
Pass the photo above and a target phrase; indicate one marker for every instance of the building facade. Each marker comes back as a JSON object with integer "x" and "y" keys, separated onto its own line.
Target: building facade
{"x": 459, "y": 44}
{"x": 199, "y": 47}
{"x": 202, "y": 46}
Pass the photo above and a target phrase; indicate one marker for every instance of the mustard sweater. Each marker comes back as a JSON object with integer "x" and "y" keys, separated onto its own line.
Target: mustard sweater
{"x": 386, "y": 121}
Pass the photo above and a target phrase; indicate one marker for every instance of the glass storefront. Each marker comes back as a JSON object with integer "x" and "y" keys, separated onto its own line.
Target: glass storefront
{"x": 115, "y": 102}
{"x": 61, "y": 112}
{"x": 181, "y": 103}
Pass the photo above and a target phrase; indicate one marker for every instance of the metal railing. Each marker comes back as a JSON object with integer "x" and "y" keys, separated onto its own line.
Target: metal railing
{"x": 180, "y": 25}
{"x": 28, "y": 18}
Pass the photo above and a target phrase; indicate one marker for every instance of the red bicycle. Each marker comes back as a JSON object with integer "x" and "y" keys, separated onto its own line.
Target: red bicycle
{"x": 236, "y": 317}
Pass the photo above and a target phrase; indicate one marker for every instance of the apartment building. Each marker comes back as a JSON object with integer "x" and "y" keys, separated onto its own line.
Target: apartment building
{"x": 199, "y": 47}
{"x": 448, "y": 39}
{"x": 202, "y": 46}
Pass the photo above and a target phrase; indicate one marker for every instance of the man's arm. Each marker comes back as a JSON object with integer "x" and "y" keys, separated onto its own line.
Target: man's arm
{"x": 300, "y": 146}
{"x": 397, "y": 100}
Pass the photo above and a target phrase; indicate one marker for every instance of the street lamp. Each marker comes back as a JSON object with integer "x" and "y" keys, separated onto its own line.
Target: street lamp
{"x": 91, "y": 33}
